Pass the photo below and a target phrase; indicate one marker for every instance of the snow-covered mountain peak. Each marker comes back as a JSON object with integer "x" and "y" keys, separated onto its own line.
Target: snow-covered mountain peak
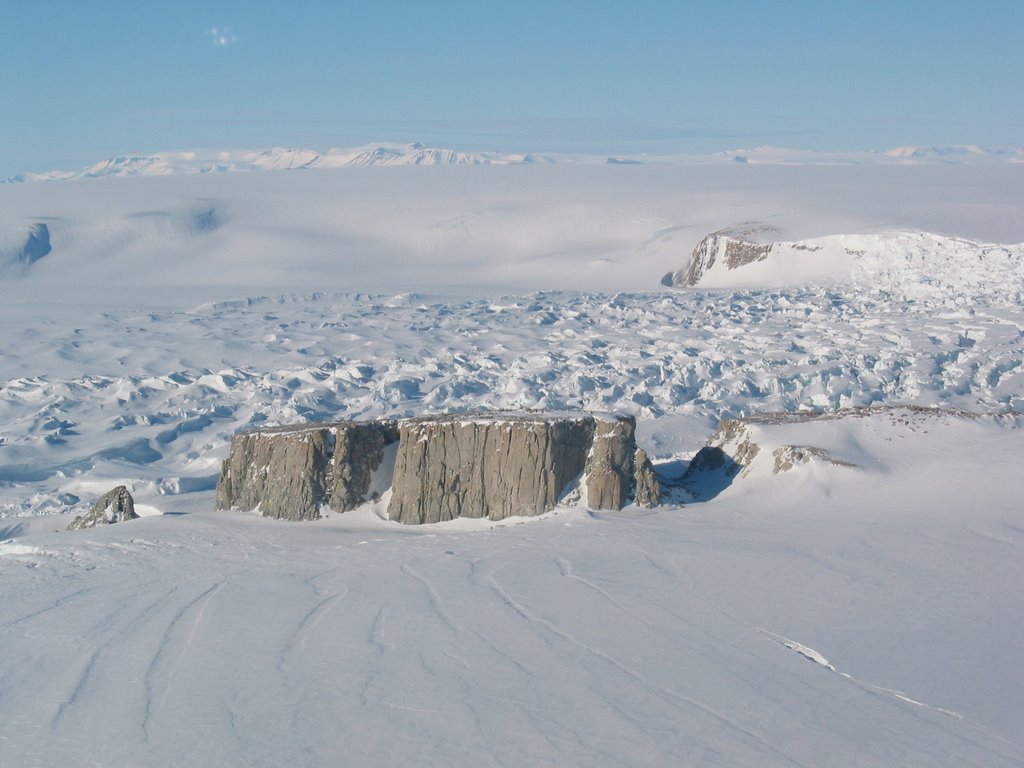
{"x": 910, "y": 263}
{"x": 274, "y": 158}
{"x": 417, "y": 153}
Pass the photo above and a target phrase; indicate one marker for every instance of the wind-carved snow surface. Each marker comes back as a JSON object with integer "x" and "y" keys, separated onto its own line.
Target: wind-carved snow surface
{"x": 862, "y": 605}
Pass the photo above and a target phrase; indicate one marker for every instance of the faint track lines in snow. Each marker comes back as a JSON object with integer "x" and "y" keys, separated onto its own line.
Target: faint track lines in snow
{"x": 297, "y": 642}
{"x": 666, "y": 694}
{"x": 170, "y": 652}
{"x": 819, "y": 659}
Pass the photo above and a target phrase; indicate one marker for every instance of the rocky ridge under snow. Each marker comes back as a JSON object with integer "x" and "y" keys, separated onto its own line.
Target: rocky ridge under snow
{"x": 914, "y": 264}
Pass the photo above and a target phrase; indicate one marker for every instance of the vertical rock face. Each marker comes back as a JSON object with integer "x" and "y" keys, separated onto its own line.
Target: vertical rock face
{"x": 115, "y": 506}
{"x": 283, "y": 471}
{"x": 288, "y": 472}
{"x": 360, "y": 459}
{"x": 486, "y": 465}
{"x": 735, "y": 246}
{"x": 647, "y": 489}
{"x": 493, "y": 465}
{"x": 610, "y": 464}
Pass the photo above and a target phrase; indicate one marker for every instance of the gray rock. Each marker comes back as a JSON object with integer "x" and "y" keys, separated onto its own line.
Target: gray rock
{"x": 283, "y": 471}
{"x": 610, "y": 464}
{"x": 737, "y": 245}
{"x": 289, "y": 472}
{"x": 359, "y": 469}
{"x": 788, "y": 457}
{"x": 493, "y": 465}
{"x": 486, "y": 465}
{"x": 646, "y": 488}
{"x": 115, "y": 506}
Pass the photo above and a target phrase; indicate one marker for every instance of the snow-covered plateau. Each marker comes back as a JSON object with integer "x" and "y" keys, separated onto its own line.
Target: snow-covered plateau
{"x": 838, "y": 580}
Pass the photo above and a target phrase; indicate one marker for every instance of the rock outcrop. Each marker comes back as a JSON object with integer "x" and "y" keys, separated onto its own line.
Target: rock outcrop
{"x": 647, "y": 489}
{"x": 289, "y": 472}
{"x": 486, "y": 465}
{"x": 115, "y": 506}
{"x": 610, "y": 476}
{"x": 735, "y": 246}
{"x": 26, "y": 249}
{"x": 37, "y": 244}
{"x": 361, "y": 467}
{"x": 439, "y": 468}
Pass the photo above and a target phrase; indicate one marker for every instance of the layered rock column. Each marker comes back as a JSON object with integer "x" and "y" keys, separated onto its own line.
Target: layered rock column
{"x": 492, "y": 466}
{"x": 439, "y": 468}
{"x": 282, "y": 470}
{"x": 360, "y": 468}
{"x": 617, "y": 470}
{"x": 289, "y": 472}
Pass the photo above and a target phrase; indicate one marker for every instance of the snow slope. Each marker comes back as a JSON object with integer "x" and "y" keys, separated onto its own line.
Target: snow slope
{"x": 870, "y": 618}
{"x": 905, "y": 265}
{"x": 852, "y": 615}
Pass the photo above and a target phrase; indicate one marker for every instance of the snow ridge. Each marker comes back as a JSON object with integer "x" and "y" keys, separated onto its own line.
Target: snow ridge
{"x": 392, "y": 154}
{"x": 276, "y": 158}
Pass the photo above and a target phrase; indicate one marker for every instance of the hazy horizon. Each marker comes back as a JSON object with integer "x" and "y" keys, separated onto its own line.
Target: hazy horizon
{"x": 115, "y": 78}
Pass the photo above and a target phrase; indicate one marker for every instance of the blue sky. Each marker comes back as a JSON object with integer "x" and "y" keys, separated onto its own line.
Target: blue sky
{"x": 83, "y": 80}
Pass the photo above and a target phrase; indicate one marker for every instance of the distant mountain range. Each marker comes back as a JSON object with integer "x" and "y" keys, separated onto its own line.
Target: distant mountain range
{"x": 279, "y": 158}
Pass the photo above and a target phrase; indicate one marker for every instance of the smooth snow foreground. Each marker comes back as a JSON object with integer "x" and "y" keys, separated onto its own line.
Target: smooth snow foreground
{"x": 851, "y": 594}
{"x": 865, "y": 616}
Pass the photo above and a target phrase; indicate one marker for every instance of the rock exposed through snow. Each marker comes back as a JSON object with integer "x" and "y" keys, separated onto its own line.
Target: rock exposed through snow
{"x": 610, "y": 477}
{"x": 115, "y": 506}
{"x": 492, "y": 465}
{"x": 29, "y": 248}
{"x": 288, "y": 472}
{"x": 486, "y": 466}
{"x": 734, "y": 246}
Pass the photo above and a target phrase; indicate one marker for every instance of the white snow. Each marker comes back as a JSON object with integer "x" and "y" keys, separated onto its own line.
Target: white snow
{"x": 290, "y": 158}
{"x": 174, "y": 311}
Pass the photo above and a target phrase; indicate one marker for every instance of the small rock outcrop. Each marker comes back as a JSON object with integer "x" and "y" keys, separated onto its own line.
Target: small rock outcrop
{"x": 37, "y": 244}
{"x": 289, "y": 472}
{"x": 26, "y": 248}
{"x": 115, "y": 506}
{"x": 735, "y": 246}
{"x": 788, "y": 457}
{"x": 486, "y": 465}
{"x": 480, "y": 465}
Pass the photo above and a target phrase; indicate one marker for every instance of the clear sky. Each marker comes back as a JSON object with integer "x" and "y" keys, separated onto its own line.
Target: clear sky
{"x": 81, "y": 80}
